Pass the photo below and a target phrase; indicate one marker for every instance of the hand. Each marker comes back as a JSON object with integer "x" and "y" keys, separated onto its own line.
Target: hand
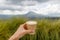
{"x": 21, "y": 31}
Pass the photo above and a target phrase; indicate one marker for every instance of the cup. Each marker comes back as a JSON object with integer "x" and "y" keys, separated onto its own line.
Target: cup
{"x": 31, "y": 25}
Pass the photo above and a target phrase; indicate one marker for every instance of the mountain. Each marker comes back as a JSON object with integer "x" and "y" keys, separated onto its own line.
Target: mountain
{"x": 33, "y": 15}
{"x": 5, "y": 16}
{"x": 53, "y": 15}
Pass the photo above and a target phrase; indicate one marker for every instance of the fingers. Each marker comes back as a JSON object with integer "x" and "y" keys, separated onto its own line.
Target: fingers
{"x": 29, "y": 31}
{"x": 23, "y": 26}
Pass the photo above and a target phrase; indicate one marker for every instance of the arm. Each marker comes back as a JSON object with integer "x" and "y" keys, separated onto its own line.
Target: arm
{"x": 19, "y": 33}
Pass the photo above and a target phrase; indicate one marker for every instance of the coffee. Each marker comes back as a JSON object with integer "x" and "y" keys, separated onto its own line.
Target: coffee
{"x": 31, "y": 25}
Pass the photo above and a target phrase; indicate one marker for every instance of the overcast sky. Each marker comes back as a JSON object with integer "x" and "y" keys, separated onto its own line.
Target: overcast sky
{"x": 15, "y": 7}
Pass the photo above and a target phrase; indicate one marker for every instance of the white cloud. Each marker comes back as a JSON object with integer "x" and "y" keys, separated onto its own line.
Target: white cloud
{"x": 2, "y": 1}
{"x": 40, "y": 8}
{"x": 47, "y": 8}
{"x": 9, "y": 12}
{"x": 20, "y": 12}
{"x": 29, "y": 3}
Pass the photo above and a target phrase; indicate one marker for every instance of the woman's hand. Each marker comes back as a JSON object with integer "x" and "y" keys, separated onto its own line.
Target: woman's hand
{"x": 21, "y": 31}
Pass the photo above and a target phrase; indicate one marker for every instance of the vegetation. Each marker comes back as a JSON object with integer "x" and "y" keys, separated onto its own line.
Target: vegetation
{"x": 46, "y": 29}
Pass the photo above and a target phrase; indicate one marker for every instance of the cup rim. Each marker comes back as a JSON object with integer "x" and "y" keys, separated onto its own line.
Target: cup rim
{"x": 31, "y": 22}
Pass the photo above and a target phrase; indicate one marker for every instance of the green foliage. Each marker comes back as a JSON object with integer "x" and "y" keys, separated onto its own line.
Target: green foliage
{"x": 46, "y": 29}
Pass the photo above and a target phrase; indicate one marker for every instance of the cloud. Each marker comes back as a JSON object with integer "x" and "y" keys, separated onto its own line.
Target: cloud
{"x": 42, "y": 1}
{"x": 2, "y": 1}
{"x": 10, "y": 7}
{"x": 9, "y": 12}
{"x": 44, "y": 8}
{"x": 14, "y": 7}
{"x": 17, "y": 2}
{"x": 48, "y": 8}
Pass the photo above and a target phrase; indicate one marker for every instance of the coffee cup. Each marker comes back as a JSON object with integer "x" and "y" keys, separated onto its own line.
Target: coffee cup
{"x": 31, "y": 25}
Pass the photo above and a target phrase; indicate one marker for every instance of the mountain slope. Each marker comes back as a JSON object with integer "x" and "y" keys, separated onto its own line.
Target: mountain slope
{"x": 33, "y": 15}
{"x": 5, "y": 16}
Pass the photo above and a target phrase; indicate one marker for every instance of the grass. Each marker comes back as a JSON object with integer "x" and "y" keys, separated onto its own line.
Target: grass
{"x": 46, "y": 29}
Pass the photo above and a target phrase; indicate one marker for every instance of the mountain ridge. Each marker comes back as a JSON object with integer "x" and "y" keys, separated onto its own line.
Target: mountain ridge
{"x": 29, "y": 15}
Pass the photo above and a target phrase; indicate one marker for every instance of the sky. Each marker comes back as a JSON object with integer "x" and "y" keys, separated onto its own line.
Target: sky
{"x": 16, "y": 7}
